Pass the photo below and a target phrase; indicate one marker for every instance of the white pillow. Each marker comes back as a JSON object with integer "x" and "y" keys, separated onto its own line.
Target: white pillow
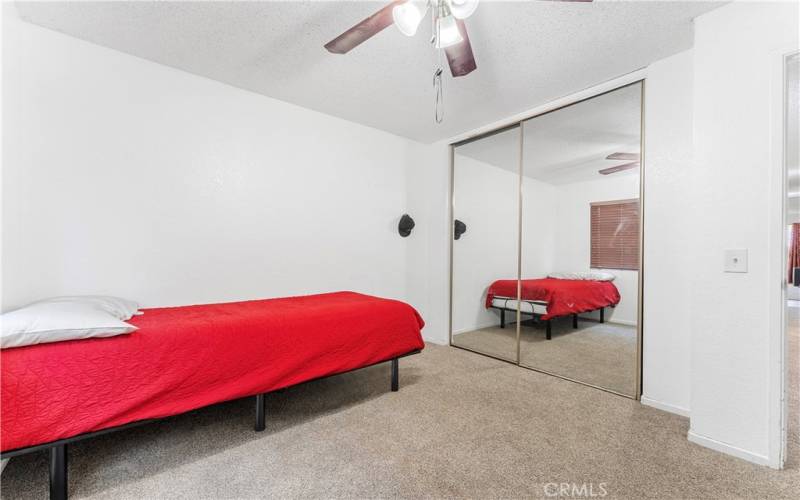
{"x": 44, "y": 322}
{"x": 591, "y": 275}
{"x": 119, "y": 308}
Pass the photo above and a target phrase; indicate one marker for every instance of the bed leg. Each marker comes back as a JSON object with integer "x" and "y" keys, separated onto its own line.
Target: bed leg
{"x": 502, "y": 318}
{"x": 574, "y": 321}
{"x": 395, "y": 374}
{"x": 58, "y": 472}
{"x": 602, "y": 315}
{"x": 261, "y": 420}
{"x": 549, "y": 330}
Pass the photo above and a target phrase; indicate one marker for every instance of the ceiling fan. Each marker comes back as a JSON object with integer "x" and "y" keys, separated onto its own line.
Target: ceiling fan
{"x": 449, "y": 32}
{"x": 633, "y": 159}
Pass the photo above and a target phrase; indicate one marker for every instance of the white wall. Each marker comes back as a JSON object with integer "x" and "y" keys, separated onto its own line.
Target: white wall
{"x": 572, "y": 242}
{"x": 734, "y": 369}
{"x": 428, "y": 258}
{"x": 668, "y": 212}
{"x": 539, "y": 221}
{"x": 487, "y": 201}
{"x": 125, "y": 177}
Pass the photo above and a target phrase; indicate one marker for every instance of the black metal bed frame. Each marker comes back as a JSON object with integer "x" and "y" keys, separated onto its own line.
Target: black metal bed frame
{"x": 58, "y": 448}
{"x": 537, "y": 317}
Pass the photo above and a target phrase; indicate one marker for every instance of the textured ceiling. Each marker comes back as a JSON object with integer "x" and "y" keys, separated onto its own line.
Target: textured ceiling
{"x": 528, "y": 53}
{"x": 571, "y": 144}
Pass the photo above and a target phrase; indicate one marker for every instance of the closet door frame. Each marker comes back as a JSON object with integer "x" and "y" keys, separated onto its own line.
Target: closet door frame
{"x": 519, "y": 123}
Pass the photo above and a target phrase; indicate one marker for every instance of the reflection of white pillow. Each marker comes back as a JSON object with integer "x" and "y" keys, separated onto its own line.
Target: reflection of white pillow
{"x": 56, "y": 321}
{"x": 119, "y": 308}
{"x": 591, "y": 275}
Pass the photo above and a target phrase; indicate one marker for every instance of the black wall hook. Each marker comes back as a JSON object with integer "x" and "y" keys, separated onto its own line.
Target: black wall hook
{"x": 459, "y": 228}
{"x": 405, "y": 226}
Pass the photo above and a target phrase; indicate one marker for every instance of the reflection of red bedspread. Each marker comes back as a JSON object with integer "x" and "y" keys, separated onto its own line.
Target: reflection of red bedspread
{"x": 563, "y": 297}
{"x": 183, "y": 358}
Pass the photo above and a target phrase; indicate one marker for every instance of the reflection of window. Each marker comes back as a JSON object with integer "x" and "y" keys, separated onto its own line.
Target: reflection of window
{"x": 793, "y": 237}
{"x": 615, "y": 234}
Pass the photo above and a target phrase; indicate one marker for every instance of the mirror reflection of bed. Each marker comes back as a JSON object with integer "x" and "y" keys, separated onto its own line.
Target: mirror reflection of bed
{"x": 568, "y": 227}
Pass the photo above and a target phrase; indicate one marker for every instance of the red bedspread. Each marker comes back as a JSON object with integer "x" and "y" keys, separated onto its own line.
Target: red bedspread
{"x": 563, "y": 297}
{"x": 183, "y": 358}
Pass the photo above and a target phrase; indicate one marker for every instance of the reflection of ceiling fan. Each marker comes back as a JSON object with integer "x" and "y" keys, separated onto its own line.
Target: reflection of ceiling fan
{"x": 447, "y": 25}
{"x": 633, "y": 158}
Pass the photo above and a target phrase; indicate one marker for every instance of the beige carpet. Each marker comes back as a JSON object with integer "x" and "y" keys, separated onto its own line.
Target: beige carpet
{"x": 601, "y": 354}
{"x": 462, "y": 425}
{"x": 793, "y": 389}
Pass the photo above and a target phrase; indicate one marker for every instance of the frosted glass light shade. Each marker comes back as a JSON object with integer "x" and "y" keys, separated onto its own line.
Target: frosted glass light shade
{"x": 407, "y": 17}
{"x": 462, "y": 9}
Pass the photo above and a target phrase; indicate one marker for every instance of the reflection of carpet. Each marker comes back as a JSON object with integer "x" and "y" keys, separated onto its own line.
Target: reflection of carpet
{"x": 601, "y": 354}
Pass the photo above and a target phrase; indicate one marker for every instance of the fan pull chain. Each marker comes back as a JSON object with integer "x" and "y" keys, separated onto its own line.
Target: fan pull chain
{"x": 438, "y": 105}
{"x": 438, "y": 101}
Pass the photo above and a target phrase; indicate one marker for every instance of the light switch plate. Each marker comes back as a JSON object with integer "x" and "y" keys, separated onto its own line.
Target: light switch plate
{"x": 736, "y": 260}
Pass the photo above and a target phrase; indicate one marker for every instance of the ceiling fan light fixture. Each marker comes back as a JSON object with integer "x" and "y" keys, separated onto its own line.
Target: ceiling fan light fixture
{"x": 462, "y": 9}
{"x": 448, "y": 32}
{"x": 407, "y": 17}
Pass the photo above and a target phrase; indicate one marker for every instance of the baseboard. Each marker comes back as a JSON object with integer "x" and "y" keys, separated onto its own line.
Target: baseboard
{"x": 512, "y": 322}
{"x": 659, "y": 405}
{"x": 479, "y": 327}
{"x": 621, "y": 322}
{"x": 729, "y": 449}
{"x": 435, "y": 337}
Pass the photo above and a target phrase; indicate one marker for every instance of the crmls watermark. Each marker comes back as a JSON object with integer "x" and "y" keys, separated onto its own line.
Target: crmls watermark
{"x": 575, "y": 490}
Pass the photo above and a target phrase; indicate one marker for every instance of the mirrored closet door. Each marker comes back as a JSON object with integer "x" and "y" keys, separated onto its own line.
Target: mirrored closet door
{"x": 485, "y": 244}
{"x": 561, "y": 293}
{"x": 580, "y": 240}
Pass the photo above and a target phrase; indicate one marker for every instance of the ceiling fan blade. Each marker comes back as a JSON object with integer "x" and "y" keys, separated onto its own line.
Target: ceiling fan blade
{"x": 362, "y": 31}
{"x": 459, "y": 56}
{"x": 623, "y": 156}
{"x": 619, "y": 168}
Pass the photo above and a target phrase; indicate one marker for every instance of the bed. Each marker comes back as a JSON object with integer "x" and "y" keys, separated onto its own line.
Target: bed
{"x": 549, "y": 298}
{"x": 184, "y": 358}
